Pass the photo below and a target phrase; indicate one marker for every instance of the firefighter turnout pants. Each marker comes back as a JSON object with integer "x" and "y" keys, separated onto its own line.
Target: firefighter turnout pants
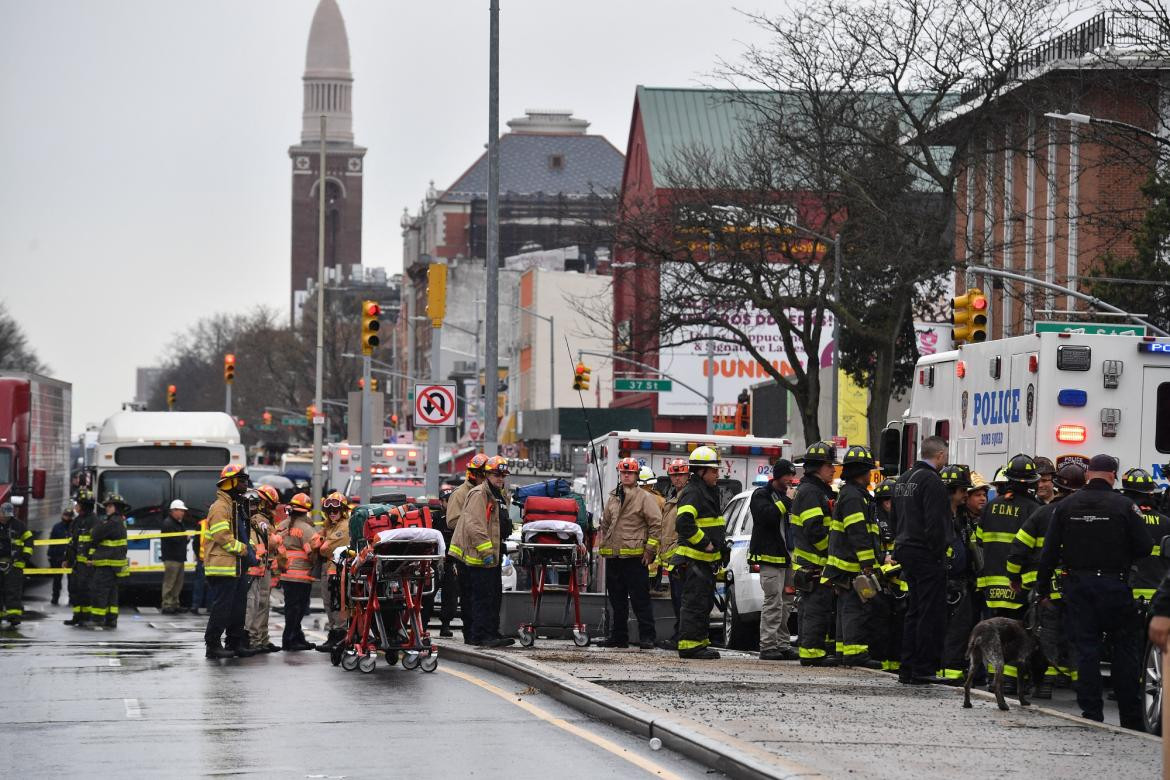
{"x": 451, "y": 592}
{"x": 296, "y": 606}
{"x": 853, "y": 627}
{"x": 229, "y": 601}
{"x": 11, "y": 591}
{"x": 886, "y": 625}
{"x": 698, "y": 598}
{"x": 627, "y": 583}
{"x": 482, "y": 593}
{"x": 104, "y": 595}
{"x": 960, "y": 621}
{"x": 256, "y": 615}
{"x": 815, "y": 614}
{"x": 81, "y": 590}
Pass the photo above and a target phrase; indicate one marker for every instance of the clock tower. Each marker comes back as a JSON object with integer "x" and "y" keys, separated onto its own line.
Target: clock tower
{"x": 328, "y": 89}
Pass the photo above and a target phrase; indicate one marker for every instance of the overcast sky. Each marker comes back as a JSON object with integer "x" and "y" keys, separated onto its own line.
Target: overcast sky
{"x": 144, "y": 142}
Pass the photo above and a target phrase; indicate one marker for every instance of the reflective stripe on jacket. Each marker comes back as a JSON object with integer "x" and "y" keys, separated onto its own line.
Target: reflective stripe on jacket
{"x": 631, "y": 522}
{"x": 297, "y": 544}
{"x": 476, "y": 541}
{"x": 668, "y": 541}
{"x": 222, "y": 551}
{"x": 107, "y": 548}
{"x": 1148, "y": 573}
{"x": 699, "y": 522}
{"x": 812, "y": 511}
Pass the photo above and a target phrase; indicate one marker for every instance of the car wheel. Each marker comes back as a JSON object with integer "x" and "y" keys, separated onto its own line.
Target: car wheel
{"x": 736, "y": 635}
{"x": 1152, "y": 689}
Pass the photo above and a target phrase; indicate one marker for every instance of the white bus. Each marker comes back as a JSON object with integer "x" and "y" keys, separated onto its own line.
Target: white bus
{"x": 152, "y": 458}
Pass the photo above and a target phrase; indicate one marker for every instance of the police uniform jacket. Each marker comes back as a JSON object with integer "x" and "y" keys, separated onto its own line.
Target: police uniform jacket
{"x": 854, "y": 538}
{"x": 922, "y": 510}
{"x": 699, "y": 522}
{"x": 769, "y": 512}
{"x": 812, "y": 511}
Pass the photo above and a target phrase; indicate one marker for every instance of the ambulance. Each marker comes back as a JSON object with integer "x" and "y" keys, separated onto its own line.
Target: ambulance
{"x": 1067, "y": 396}
{"x": 404, "y": 461}
{"x": 743, "y": 458}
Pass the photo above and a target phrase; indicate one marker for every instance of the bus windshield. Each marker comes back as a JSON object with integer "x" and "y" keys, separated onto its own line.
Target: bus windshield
{"x": 197, "y": 489}
{"x": 147, "y": 492}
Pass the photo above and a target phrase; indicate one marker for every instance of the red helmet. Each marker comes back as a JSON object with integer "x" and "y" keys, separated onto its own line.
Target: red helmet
{"x": 269, "y": 494}
{"x": 629, "y": 466}
{"x": 301, "y": 503}
{"x": 678, "y": 466}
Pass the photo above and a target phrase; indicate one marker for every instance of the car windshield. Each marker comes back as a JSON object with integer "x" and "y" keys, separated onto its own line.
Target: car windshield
{"x": 197, "y": 489}
{"x": 147, "y": 492}
{"x": 5, "y": 466}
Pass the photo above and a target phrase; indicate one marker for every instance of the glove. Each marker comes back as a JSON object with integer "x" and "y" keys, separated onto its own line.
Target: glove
{"x": 249, "y": 556}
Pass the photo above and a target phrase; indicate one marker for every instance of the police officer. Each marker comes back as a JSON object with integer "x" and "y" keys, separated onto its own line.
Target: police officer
{"x": 77, "y": 558}
{"x": 1023, "y": 566}
{"x": 768, "y": 549}
{"x": 1149, "y": 572}
{"x": 925, "y": 531}
{"x": 107, "y": 553}
{"x": 15, "y": 553}
{"x": 1096, "y": 535}
{"x": 854, "y": 546}
{"x": 701, "y": 529}
{"x": 810, "y": 517}
{"x": 960, "y": 575}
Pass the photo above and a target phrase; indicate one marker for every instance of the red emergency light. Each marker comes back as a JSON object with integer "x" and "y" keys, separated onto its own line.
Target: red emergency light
{"x": 960, "y": 369}
{"x": 1070, "y": 434}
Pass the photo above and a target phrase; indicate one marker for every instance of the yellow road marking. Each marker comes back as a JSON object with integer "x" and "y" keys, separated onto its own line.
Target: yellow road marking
{"x": 561, "y": 723}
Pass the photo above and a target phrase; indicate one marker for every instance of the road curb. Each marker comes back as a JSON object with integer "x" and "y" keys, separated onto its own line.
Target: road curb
{"x": 714, "y": 749}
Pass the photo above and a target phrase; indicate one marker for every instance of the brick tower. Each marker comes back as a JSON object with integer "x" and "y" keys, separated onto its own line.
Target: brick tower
{"x": 328, "y": 85}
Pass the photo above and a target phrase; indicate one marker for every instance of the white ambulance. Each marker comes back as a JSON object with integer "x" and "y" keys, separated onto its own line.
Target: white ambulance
{"x": 743, "y": 457}
{"x": 395, "y": 461}
{"x": 1061, "y": 395}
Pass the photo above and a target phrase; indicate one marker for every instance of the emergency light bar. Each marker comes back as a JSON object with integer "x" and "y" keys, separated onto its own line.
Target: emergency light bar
{"x": 1070, "y": 397}
{"x": 1070, "y": 434}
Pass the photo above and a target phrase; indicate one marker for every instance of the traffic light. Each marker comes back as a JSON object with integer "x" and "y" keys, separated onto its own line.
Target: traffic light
{"x": 310, "y": 413}
{"x": 437, "y": 293}
{"x": 172, "y": 396}
{"x": 370, "y": 326}
{"x": 969, "y": 316}
{"x": 267, "y": 417}
{"x": 581, "y": 377}
{"x": 229, "y": 368}
{"x": 373, "y": 384}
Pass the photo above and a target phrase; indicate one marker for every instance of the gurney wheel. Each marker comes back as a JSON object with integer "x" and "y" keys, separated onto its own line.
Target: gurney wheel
{"x": 410, "y": 660}
{"x": 430, "y": 663}
{"x": 527, "y": 636}
{"x": 349, "y": 661}
{"x": 367, "y": 663}
{"x": 581, "y": 638}
{"x": 336, "y": 654}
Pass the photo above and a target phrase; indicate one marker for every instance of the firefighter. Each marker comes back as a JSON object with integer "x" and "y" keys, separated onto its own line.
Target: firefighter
{"x": 678, "y": 471}
{"x": 812, "y": 512}
{"x": 1148, "y": 572}
{"x": 854, "y": 546}
{"x": 77, "y": 558}
{"x": 450, "y": 583}
{"x": 263, "y": 538}
{"x": 226, "y": 559}
{"x": 15, "y": 553}
{"x": 701, "y": 532}
{"x": 648, "y": 480}
{"x": 1045, "y": 489}
{"x": 476, "y": 544}
{"x": 996, "y": 532}
{"x": 61, "y": 534}
{"x": 455, "y": 503}
{"x": 334, "y": 535}
{"x": 888, "y": 606}
{"x": 107, "y": 553}
{"x": 631, "y": 523}
{"x": 960, "y": 566}
{"x": 297, "y": 543}
{"x": 768, "y": 549}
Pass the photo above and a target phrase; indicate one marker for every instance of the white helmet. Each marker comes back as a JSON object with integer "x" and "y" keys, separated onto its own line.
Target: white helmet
{"x": 647, "y": 476}
{"x": 178, "y": 504}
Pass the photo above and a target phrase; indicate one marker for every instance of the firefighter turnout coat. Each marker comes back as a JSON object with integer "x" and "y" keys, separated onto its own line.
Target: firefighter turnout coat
{"x": 1001, "y": 521}
{"x": 456, "y": 502}
{"x": 631, "y": 522}
{"x": 222, "y": 551}
{"x": 699, "y": 522}
{"x": 476, "y": 541}
{"x": 296, "y": 551}
{"x": 812, "y": 512}
{"x": 854, "y": 537}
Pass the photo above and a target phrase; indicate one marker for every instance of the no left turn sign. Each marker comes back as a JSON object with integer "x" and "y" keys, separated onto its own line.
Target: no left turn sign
{"x": 434, "y": 405}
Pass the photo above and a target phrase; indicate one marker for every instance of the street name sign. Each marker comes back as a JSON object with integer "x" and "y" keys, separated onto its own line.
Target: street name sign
{"x": 642, "y": 385}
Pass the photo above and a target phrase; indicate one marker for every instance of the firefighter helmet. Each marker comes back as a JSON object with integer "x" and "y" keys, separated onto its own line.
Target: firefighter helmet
{"x": 819, "y": 453}
{"x": 477, "y": 462}
{"x": 269, "y": 495}
{"x": 300, "y": 503}
{"x": 956, "y": 475}
{"x": 1022, "y": 469}
{"x": 230, "y": 472}
{"x": 704, "y": 457}
{"x": 885, "y": 489}
{"x": 334, "y": 501}
{"x": 1138, "y": 481}
{"x": 978, "y": 482}
{"x": 117, "y": 500}
{"x": 858, "y": 455}
{"x": 1044, "y": 466}
{"x": 1070, "y": 477}
{"x": 629, "y": 466}
{"x": 646, "y": 476}
{"x": 496, "y": 464}
{"x": 678, "y": 466}
{"x": 84, "y": 496}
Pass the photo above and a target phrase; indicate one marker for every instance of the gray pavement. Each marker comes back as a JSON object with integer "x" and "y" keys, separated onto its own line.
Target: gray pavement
{"x": 141, "y": 701}
{"x": 853, "y": 722}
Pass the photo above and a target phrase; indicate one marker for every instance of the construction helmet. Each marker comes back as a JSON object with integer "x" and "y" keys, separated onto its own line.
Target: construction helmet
{"x": 884, "y": 489}
{"x": 1138, "y": 481}
{"x": 629, "y": 466}
{"x": 477, "y": 462}
{"x": 300, "y": 503}
{"x": 230, "y": 472}
{"x": 268, "y": 495}
{"x": 1070, "y": 477}
{"x": 496, "y": 464}
{"x": 820, "y": 453}
{"x": 677, "y": 466}
{"x": 978, "y": 482}
{"x": 646, "y": 476}
{"x": 956, "y": 475}
{"x": 704, "y": 457}
{"x": 1022, "y": 469}
{"x": 1044, "y": 466}
{"x": 334, "y": 501}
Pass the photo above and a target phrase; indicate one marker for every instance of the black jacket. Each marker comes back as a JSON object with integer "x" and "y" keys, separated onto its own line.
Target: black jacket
{"x": 923, "y": 511}
{"x": 173, "y": 548}
{"x": 812, "y": 511}
{"x": 768, "y": 543}
{"x": 699, "y": 522}
{"x": 1094, "y": 529}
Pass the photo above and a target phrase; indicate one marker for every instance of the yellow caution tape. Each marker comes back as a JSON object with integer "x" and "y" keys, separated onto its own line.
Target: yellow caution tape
{"x": 134, "y": 569}
{"x": 130, "y": 536}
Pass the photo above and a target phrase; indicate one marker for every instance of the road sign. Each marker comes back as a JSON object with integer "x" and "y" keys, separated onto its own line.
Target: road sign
{"x": 474, "y": 432}
{"x": 434, "y": 404}
{"x": 642, "y": 385}
{"x": 1091, "y": 328}
{"x": 296, "y": 419}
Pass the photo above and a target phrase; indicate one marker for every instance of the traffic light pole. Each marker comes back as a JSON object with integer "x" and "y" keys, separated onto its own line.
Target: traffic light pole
{"x": 435, "y": 433}
{"x": 227, "y": 397}
{"x": 708, "y": 396}
{"x": 367, "y": 433}
{"x": 491, "y": 357}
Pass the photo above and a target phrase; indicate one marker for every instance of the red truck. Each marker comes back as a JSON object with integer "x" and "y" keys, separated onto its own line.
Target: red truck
{"x": 34, "y": 450}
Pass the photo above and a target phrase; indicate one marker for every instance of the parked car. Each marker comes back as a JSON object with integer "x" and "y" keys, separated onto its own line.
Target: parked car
{"x": 743, "y": 597}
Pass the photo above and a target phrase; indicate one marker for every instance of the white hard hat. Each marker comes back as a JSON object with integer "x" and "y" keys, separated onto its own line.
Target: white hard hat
{"x": 178, "y": 504}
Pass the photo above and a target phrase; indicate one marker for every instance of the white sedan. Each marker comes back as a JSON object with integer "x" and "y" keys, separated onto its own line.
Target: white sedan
{"x": 742, "y": 595}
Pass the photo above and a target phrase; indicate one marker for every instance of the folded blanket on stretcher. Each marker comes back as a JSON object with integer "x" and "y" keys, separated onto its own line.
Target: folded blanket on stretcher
{"x": 562, "y": 528}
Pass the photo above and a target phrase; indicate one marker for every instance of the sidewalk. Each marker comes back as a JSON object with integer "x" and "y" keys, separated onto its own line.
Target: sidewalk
{"x": 843, "y": 721}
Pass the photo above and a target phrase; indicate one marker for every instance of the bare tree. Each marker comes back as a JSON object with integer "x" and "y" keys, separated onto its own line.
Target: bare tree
{"x": 15, "y": 352}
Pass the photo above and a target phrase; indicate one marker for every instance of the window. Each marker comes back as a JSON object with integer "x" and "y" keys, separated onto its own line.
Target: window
{"x": 1162, "y": 419}
{"x": 210, "y": 457}
{"x": 556, "y": 162}
{"x": 728, "y": 489}
{"x": 197, "y": 489}
{"x": 5, "y": 466}
{"x": 147, "y": 492}
{"x": 731, "y": 515}
{"x": 909, "y": 445}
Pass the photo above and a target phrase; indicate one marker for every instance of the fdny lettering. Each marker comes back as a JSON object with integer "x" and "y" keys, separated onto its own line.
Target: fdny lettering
{"x": 1005, "y": 509}
{"x": 996, "y": 407}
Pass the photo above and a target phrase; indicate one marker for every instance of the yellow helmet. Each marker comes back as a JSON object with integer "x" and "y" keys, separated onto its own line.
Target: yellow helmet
{"x": 704, "y": 457}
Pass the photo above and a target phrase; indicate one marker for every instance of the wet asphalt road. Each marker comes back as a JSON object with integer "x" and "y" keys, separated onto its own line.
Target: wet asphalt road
{"x": 142, "y": 701}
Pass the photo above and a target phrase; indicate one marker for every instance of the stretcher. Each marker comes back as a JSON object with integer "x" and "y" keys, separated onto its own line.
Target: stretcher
{"x": 383, "y": 585}
{"x": 551, "y": 540}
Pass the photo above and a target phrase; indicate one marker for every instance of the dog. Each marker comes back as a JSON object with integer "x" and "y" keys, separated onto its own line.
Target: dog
{"x": 994, "y": 642}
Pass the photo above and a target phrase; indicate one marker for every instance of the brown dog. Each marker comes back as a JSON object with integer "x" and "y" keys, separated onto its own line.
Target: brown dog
{"x": 994, "y": 642}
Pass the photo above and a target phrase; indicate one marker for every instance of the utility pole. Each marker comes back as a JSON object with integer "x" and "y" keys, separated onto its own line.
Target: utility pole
{"x": 492, "y": 314}
{"x": 367, "y": 433}
{"x": 836, "y": 333}
{"x": 318, "y": 406}
{"x": 436, "y": 311}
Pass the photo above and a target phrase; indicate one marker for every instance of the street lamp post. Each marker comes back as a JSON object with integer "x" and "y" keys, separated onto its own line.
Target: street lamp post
{"x": 492, "y": 315}
{"x": 1086, "y": 119}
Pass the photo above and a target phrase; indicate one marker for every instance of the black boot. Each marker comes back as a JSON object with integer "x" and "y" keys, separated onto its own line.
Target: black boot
{"x": 335, "y": 636}
{"x": 216, "y": 650}
{"x": 78, "y": 619}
